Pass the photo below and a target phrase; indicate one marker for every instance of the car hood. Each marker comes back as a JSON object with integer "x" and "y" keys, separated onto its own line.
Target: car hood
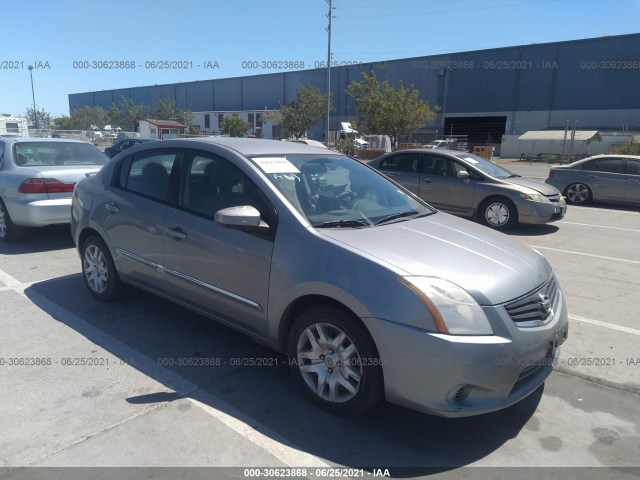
{"x": 491, "y": 266}
{"x": 541, "y": 187}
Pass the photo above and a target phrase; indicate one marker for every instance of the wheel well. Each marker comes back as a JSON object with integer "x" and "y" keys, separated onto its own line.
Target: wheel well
{"x": 490, "y": 198}
{"x": 300, "y": 305}
{"x": 86, "y": 233}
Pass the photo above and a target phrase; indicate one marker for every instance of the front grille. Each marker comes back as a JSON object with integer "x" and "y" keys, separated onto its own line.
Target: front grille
{"x": 554, "y": 198}
{"x": 534, "y": 308}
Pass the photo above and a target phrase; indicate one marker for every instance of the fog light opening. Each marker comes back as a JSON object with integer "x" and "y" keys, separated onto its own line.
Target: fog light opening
{"x": 460, "y": 393}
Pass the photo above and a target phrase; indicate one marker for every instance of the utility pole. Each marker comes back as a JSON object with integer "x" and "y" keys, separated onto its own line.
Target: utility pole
{"x": 33, "y": 95}
{"x": 329, "y": 16}
{"x": 564, "y": 143}
{"x": 573, "y": 137}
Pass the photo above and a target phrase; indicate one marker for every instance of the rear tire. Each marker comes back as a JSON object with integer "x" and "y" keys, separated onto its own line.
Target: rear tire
{"x": 578, "y": 194}
{"x": 334, "y": 359}
{"x": 99, "y": 271}
{"x": 499, "y": 213}
{"x": 9, "y": 232}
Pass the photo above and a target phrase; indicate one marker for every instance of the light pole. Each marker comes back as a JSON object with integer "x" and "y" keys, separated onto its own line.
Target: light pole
{"x": 328, "y": 68}
{"x": 33, "y": 95}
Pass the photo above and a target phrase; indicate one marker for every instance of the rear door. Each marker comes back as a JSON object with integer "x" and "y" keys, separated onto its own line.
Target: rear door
{"x": 135, "y": 209}
{"x": 403, "y": 167}
{"x": 223, "y": 271}
{"x": 607, "y": 178}
{"x": 632, "y": 192}
{"x": 440, "y": 186}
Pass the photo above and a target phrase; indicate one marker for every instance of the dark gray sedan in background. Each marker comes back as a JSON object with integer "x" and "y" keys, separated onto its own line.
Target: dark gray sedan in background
{"x": 371, "y": 295}
{"x": 471, "y": 186}
{"x": 606, "y": 178}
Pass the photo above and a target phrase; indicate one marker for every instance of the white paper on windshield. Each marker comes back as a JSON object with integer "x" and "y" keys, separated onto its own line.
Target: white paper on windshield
{"x": 276, "y": 165}
{"x": 471, "y": 160}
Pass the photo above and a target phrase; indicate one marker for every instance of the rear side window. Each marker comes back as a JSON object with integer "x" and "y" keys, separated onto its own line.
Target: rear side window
{"x": 49, "y": 154}
{"x": 591, "y": 165}
{"x": 404, "y": 162}
{"x": 148, "y": 174}
{"x": 610, "y": 165}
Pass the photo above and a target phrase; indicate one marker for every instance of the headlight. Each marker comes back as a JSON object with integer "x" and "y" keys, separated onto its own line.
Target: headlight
{"x": 535, "y": 197}
{"x": 454, "y": 311}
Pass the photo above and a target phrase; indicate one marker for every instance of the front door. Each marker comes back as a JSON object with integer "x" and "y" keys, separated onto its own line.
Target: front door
{"x": 440, "y": 186}
{"x": 220, "y": 270}
{"x": 632, "y": 191}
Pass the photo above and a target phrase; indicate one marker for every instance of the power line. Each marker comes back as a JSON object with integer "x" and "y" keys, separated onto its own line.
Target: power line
{"x": 398, "y": 4}
{"x": 415, "y": 14}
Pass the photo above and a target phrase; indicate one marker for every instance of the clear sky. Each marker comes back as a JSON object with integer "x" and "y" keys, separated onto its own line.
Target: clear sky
{"x": 52, "y": 35}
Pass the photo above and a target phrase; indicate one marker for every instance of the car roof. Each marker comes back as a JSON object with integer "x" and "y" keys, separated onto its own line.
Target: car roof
{"x": 258, "y": 146}
{"x": 602, "y": 155}
{"x": 430, "y": 150}
{"x": 43, "y": 139}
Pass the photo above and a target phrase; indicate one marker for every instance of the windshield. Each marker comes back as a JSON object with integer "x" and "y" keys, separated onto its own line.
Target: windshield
{"x": 486, "y": 166}
{"x": 335, "y": 191}
{"x": 47, "y": 154}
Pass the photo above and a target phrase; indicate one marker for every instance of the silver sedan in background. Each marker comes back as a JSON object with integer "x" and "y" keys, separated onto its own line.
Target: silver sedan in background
{"x": 37, "y": 177}
{"x": 471, "y": 186}
{"x": 606, "y": 178}
{"x": 371, "y": 296}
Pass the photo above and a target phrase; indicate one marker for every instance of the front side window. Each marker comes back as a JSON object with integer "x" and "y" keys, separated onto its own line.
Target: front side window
{"x": 337, "y": 191}
{"x": 634, "y": 166}
{"x": 148, "y": 173}
{"x": 45, "y": 154}
{"x": 212, "y": 183}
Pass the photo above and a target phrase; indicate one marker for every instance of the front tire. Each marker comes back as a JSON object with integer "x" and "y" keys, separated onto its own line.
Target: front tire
{"x": 578, "y": 194}
{"x": 9, "y": 232}
{"x": 98, "y": 270}
{"x": 334, "y": 360}
{"x": 499, "y": 213}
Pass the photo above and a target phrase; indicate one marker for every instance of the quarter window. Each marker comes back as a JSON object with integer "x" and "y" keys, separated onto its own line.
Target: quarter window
{"x": 634, "y": 166}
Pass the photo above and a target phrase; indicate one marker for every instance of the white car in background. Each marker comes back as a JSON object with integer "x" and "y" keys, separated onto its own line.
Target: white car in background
{"x": 37, "y": 178}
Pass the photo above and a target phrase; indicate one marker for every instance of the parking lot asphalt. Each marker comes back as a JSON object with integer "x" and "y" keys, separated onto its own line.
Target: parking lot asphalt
{"x": 107, "y": 384}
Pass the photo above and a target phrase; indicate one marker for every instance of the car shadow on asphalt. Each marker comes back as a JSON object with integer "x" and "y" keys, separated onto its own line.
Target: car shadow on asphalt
{"x": 42, "y": 239}
{"x": 388, "y": 436}
{"x": 532, "y": 230}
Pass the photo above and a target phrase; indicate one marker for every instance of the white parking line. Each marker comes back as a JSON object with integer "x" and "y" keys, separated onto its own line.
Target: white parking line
{"x": 596, "y": 209}
{"x": 601, "y": 226}
{"x": 253, "y": 431}
{"x": 610, "y": 326}
{"x": 603, "y": 257}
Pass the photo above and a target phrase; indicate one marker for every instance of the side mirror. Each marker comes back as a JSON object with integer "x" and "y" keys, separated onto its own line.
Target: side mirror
{"x": 463, "y": 174}
{"x": 241, "y": 217}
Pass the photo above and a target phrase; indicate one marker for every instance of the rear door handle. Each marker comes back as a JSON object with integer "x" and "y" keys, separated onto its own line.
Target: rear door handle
{"x": 176, "y": 232}
{"x": 427, "y": 180}
{"x": 111, "y": 207}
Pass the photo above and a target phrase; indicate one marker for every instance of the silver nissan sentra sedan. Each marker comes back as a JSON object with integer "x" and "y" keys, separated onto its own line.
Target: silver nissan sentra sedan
{"x": 372, "y": 293}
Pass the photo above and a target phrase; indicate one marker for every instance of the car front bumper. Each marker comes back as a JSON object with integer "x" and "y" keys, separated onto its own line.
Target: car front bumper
{"x": 458, "y": 376}
{"x": 39, "y": 213}
{"x": 539, "y": 213}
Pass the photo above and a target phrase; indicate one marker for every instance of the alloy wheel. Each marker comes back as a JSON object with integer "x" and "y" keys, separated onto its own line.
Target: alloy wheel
{"x": 497, "y": 214}
{"x": 329, "y": 362}
{"x": 96, "y": 269}
{"x": 578, "y": 193}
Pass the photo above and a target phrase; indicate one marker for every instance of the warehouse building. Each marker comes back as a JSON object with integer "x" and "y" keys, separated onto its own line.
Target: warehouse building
{"x": 491, "y": 96}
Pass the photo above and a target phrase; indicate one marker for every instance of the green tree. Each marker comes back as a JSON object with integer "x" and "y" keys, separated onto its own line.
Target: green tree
{"x": 38, "y": 118}
{"x": 630, "y": 148}
{"x": 234, "y": 126}
{"x": 86, "y": 118}
{"x": 165, "y": 109}
{"x": 64, "y": 123}
{"x": 385, "y": 110}
{"x": 298, "y": 116}
{"x": 131, "y": 113}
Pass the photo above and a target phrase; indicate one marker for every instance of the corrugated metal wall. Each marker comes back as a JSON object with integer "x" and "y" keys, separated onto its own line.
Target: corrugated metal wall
{"x": 576, "y": 75}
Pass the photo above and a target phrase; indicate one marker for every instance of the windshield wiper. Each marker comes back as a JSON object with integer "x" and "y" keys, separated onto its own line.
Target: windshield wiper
{"x": 343, "y": 224}
{"x": 408, "y": 213}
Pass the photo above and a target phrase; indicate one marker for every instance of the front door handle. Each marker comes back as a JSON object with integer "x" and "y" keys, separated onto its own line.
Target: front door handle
{"x": 176, "y": 232}
{"x": 112, "y": 207}
{"x": 427, "y": 180}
